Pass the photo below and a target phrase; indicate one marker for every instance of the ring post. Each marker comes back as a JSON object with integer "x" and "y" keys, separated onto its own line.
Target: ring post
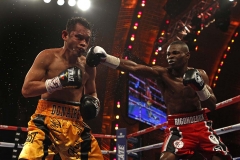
{"x": 16, "y": 142}
{"x": 121, "y": 144}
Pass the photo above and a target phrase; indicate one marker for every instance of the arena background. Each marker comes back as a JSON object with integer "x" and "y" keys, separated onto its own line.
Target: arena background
{"x": 29, "y": 26}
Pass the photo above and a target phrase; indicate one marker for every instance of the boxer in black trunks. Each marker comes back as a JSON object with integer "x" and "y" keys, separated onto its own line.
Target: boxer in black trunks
{"x": 185, "y": 91}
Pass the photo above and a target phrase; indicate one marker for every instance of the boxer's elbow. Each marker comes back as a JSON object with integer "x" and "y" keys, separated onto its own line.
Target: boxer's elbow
{"x": 212, "y": 107}
{"x": 25, "y": 92}
{"x": 211, "y": 104}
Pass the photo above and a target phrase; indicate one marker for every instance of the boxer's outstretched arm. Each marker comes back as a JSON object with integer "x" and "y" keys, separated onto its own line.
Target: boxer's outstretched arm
{"x": 98, "y": 55}
{"x": 139, "y": 69}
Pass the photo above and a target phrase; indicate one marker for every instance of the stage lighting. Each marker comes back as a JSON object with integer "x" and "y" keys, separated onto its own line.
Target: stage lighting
{"x": 60, "y": 2}
{"x": 71, "y": 3}
{"x": 47, "y": 1}
{"x": 189, "y": 40}
{"x": 84, "y": 4}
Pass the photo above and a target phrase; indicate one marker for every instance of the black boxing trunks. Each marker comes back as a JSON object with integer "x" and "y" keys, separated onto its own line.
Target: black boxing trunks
{"x": 187, "y": 133}
{"x": 58, "y": 128}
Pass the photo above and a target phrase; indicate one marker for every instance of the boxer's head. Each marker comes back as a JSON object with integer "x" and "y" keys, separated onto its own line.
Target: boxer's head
{"x": 71, "y": 24}
{"x": 182, "y": 46}
{"x": 177, "y": 54}
{"x": 77, "y": 35}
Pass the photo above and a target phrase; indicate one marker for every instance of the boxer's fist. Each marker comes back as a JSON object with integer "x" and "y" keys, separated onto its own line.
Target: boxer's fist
{"x": 70, "y": 78}
{"x": 193, "y": 78}
{"x": 90, "y": 107}
{"x": 96, "y": 55}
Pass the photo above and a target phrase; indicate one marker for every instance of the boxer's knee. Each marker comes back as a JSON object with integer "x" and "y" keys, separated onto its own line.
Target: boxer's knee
{"x": 221, "y": 157}
{"x": 167, "y": 156}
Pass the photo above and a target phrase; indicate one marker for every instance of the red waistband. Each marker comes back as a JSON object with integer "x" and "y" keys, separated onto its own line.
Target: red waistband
{"x": 187, "y": 118}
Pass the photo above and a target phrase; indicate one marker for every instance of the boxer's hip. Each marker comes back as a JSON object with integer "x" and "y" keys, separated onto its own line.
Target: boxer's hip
{"x": 57, "y": 109}
{"x": 187, "y": 118}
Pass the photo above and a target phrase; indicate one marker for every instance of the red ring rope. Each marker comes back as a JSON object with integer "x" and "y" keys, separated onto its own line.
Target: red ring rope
{"x": 218, "y": 106}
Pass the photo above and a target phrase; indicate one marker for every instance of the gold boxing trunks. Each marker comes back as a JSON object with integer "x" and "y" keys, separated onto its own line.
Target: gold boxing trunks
{"x": 58, "y": 128}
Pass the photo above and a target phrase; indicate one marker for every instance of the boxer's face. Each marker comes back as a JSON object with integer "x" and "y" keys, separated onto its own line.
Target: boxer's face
{"x": 176, "y": 57}
{"x": 79, "y": 39}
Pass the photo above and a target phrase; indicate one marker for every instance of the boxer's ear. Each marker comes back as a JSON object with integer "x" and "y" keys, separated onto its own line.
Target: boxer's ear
{"x": 64, "y": 35}
{"x": 187, "y": 55}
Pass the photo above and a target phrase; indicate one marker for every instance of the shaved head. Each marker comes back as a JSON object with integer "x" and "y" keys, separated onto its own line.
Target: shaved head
{"x": 184, "y": 47}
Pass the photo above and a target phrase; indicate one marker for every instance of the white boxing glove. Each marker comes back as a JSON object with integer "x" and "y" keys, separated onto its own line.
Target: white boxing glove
{"x": 96, "y": 55}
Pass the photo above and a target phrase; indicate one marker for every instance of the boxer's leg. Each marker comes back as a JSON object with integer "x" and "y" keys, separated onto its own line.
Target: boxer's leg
{"x": 37, "y": 142}
{"x": 167, "y": 156}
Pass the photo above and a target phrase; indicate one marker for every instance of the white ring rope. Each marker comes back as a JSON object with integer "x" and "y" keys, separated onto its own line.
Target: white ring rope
{"x": 133, "y": 151}
{"x": 11, "y": 145}
{"x": 228, "y": 129}
{"x": 218, "y": 131}
{"x": 219, "y": 105}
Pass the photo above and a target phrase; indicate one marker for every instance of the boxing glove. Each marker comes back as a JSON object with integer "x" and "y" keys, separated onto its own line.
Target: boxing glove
{"x": 90, "y": 107}
{"x": 193, "y": 78}
{"x": 70, "y": 78}
{"x": 96, "y": 55}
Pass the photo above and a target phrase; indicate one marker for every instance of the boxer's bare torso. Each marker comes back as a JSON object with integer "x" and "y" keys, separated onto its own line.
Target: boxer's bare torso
{"x": 59, "y": 64}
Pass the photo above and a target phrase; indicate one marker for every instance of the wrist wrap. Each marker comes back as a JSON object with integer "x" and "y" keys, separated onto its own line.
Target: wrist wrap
{"x": 112, "y": 62}
{"x": 204, "y": 94}
{"x": 53, "y": 85}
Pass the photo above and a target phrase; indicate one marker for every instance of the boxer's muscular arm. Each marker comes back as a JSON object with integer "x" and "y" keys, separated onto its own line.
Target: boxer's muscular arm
{"x": 90, "y": 105}
{"x": 33, "y": 84}
{"x": 141, "y": 70}
{"x": 210, "y": 103}
{"x": 90, "y": 86}
{"x": 98, "y": 55}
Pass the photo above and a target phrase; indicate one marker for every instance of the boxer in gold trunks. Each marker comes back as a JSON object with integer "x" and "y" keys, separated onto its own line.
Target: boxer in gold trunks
{"x": 68, "y": 96}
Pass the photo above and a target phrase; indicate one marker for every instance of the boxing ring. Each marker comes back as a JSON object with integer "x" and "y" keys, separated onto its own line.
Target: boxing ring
{"x": 123, "y": 138}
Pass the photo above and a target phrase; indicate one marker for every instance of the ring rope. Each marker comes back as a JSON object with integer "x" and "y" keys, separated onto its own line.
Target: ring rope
{"x": 14, "y": 128}
{"x": 218, "y": 131}
{"x": 228, "y": 129}
{"x": 147, "y": 130}
{"x": 226, "y": 103}
{"x": 132, "y": 151}
{"x": 218, "y": 106}
{"x": 11, "y": 145}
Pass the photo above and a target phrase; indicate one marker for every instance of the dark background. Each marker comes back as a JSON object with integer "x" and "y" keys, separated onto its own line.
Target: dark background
{"x": 26, "y": 28}
{"x": 29, "y": 26}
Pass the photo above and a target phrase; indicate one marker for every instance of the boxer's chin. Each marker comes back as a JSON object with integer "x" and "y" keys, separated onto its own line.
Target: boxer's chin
{"x": 81, "y": 52}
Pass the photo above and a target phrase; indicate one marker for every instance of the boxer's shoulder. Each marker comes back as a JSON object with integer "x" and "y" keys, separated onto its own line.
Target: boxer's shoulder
{"x": 49, "y": 53}
{"x": 160, "y": 69}
{"x": 48, "y": 57}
